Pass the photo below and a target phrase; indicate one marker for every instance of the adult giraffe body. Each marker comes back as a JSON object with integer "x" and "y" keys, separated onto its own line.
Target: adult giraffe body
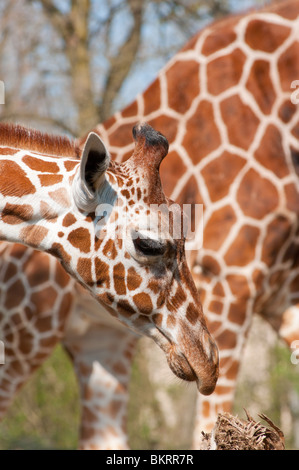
{"x": 228, "y": 105}
{"x": 224, "y": 102}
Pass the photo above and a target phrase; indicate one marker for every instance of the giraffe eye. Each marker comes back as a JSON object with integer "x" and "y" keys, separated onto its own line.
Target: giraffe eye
{"x": 149, "y": 247}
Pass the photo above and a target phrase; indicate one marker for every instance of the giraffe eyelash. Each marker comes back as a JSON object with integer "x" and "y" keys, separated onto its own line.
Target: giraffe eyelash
{"x": 149, "y": 247}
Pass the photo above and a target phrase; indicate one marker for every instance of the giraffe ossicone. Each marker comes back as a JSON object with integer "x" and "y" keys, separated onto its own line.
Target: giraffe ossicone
{"x": 49, "y": 204}
{"x": 94, "y": 193}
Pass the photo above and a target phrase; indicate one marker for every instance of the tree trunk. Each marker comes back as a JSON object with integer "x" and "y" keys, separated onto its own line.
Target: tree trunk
{"x": 121, "y": 64}
{"x": 77, "y": 51}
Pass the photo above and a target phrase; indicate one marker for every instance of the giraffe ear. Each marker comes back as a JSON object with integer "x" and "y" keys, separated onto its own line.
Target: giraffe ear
{"x": 94, "y": 162}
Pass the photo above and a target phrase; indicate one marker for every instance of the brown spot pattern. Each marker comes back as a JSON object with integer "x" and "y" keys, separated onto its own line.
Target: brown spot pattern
{"x": 218, "y": 226}
{"x": 80, "y": 238}
{"x": 286, "y": 111}
{"x": 109, "y": 250}
{"x": 125, "y": 308}
{"x": 288, "y": 66}
{"x": 143, "y": 303}
{"x": 271, "y": 153}
{"x": 119, "y": 279}
{"x": 49, "y": 180}
{"x": 45, "y": 298}
{"x": 68, "y": 220}
{"x": 60, "y": 196}
{"x": 58, "y": 251}
{"x": 292, "y": 197}
{"x": 70, "y": 164}
{"x": 39, "y": 165}
{"x": 237, "y": 115}
{"x": 47, "y": 212}
{"x": 37, "y": 269}
{"x": 238, "y": 285}
{"x": 152, "y": 98}
{"x": 14, "y": 295}
{"x": 102, "y": 273}
{"x": 220, "y": 173}
{"x": 237, "y": 312}
{"x": 11, "y": 271}
{"x": 202, "y": 135}
{"x": 256, "y": 195}
{"x": 218, "y": 39}
{"x": 277, "y": 232}
{"x": 225, "y": 72}
{"x": 84, "y": 268}
{"x": 133, "y": 279}
{"x": 260, "y": 85}
{"x": 192, "y": 314}
{"x": 33, "y": 235}
{"x": 183, "y": 85}
{"x": 13, "y": 180}
{"x": 15, "y": 213}
{"x": 263, "y": 36}
{"x": 61, "y": 277}
{"x": 242, "y": 250}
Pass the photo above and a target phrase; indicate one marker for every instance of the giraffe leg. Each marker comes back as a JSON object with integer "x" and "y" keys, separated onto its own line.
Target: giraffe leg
{"x": 22, "y": 357}
{"x": 102, "y": 359}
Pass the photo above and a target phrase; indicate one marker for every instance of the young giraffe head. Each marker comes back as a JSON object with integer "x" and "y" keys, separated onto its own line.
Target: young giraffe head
{"x": 140, "y": 267}
{"x": 98, "y": 218}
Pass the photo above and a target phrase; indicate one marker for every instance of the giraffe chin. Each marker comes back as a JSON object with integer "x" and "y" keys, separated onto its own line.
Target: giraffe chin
{"x": 196, "y": 368}
{"x": 181, "y": 367}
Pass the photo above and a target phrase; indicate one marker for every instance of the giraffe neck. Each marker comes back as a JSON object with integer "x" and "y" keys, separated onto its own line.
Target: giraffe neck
{"x": 235, "y": 78}
{"x": 35, "y": 198}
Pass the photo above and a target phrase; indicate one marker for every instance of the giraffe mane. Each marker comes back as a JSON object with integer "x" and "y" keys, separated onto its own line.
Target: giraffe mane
{"x": 17, "y": 136}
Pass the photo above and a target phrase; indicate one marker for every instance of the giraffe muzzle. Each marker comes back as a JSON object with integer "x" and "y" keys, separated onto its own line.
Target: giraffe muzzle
{"x": 203, "y": 371}
{"x": 191, "y": 359}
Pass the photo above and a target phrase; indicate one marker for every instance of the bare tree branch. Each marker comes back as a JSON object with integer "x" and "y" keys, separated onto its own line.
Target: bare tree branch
{"x": 78, "y": 53}
{"x": 121, "y": 64}
{"x": 78, "y": 44}
{"x": 59, "y": 21}
{"x": 5, "y": 25}
{"x": 73, "y": 28}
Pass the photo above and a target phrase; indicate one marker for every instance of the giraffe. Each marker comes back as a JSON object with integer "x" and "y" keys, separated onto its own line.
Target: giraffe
{"x": 97, "y": 218}
{"x": 225, "y": 104}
